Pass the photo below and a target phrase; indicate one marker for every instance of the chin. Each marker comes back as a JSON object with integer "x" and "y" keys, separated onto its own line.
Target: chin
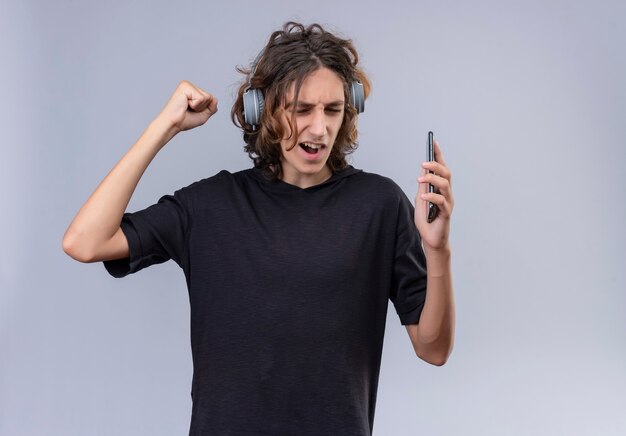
{"x": 312, "y": 169}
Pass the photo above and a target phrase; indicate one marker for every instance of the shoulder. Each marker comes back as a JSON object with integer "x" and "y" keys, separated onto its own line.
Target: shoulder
{"x": 379, "y": 186}
{"x": 221, "y": 179}
{"x": 209, "y": 188}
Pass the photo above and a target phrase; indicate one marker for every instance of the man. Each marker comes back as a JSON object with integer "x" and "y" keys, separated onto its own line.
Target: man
{"x": 289, "y": 264}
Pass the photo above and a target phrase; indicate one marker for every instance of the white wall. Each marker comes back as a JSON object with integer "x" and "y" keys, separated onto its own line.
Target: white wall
{"x": 528, "y": 102}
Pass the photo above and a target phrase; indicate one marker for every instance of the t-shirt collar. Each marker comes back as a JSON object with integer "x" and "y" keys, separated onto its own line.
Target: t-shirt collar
{"x": 281, "y": 185}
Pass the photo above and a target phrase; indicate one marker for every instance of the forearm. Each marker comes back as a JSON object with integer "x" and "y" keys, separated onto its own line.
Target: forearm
{"x": 99, "y": 218}
{"x": 437, "y": 321}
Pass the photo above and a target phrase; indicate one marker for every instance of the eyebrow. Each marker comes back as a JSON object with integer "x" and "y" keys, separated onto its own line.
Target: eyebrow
{"x": 306, "y": 104}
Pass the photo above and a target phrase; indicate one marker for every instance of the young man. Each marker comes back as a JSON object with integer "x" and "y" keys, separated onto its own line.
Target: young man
{"x": 289, "y": 264}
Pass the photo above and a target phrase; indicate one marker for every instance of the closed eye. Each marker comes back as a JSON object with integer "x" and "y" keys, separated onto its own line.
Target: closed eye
{"x": 305, "y": 111}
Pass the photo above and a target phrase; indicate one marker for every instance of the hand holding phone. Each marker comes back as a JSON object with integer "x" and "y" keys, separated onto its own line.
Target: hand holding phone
{"x": 433, "y": 210}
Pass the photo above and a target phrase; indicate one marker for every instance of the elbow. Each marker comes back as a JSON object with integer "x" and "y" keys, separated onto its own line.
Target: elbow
{"x": 439, "y": 360}
{"x": 436, "y": 359}
{"x": 435, "y": 348}
{"x": 73, "y": 250}
{"x": 435, "y": 354}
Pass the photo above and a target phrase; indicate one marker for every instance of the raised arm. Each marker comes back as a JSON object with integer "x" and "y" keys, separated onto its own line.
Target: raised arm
{"x": 94, "y": 234}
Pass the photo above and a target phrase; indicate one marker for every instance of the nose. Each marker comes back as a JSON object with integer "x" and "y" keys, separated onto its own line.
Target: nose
{"x": 317, "y": 127}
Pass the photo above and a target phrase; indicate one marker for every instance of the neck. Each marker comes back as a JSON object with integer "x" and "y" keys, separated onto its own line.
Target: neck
{"x": 304, "y": 180}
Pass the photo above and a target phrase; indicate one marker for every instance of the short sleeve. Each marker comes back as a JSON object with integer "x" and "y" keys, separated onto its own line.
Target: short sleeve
{"x": 408, "y": 284}
{"x": 155, "y": 235}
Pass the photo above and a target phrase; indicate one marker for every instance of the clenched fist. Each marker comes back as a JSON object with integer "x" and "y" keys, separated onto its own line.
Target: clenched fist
{"x": 188, "y": 107}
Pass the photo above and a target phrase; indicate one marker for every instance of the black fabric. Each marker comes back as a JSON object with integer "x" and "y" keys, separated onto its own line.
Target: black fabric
{"x": 288, "y": 290}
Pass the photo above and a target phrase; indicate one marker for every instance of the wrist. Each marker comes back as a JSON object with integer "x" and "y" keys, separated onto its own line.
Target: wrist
{"x": 164, "y": 128}
{"x": 438, "y": 260}
{"x": 443, "y": 251}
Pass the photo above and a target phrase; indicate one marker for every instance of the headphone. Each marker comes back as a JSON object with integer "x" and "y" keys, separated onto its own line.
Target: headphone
{"x": 253, "y": 101}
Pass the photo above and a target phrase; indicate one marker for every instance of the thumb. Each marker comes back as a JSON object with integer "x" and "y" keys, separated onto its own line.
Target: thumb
{"x": 213, "y": 105}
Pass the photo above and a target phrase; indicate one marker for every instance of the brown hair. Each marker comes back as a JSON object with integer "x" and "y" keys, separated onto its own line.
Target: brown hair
{"x": 289, "y": 57}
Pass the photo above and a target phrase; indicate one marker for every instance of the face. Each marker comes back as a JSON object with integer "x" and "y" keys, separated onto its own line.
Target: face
{"x": 318, "y": 117}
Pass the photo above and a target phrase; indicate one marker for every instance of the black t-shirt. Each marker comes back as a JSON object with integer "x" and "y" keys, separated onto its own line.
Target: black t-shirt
{"x": 288, "y": 291}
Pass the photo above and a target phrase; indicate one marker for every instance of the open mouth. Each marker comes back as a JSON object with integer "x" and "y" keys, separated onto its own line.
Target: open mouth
{"x": 311, "y": 148}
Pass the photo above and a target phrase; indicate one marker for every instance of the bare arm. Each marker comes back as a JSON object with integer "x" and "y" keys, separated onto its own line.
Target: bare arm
{"x": 433, "y": 337}
{"x": 98, "y": 220}
{"x": 95, "y": 233}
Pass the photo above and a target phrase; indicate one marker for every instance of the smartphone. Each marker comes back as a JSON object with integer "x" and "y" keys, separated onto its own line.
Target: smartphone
{"x": 433, "y": 210}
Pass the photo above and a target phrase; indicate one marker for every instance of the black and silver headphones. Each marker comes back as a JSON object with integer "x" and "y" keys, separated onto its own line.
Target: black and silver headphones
{"x": 253, "y": 101}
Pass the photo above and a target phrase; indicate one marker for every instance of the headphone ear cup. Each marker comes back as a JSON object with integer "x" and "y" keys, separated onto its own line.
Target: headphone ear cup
{"x": 253, "y": 103}
{"x": 357, "y": 96}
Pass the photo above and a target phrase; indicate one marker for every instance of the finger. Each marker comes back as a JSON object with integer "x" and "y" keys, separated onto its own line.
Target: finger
{"x": 211, "y": 101}
{"x": 191, "y": 92}
{"x": 208, "y": 104}
{"x": 438, "y": 168}
{"x": 213, "y": 104}
{"x": 445, "y": 208}
{"x": 438, "y": 182}
{"x": 422, "y": 188}
{"x": 200, "y": 102}
{"x": 439, "y": 154}
{"x": 197, "y": 99}
{"x": 442, "y": 186}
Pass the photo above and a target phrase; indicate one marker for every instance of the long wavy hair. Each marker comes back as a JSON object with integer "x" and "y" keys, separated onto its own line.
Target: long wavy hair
{"x": 290, "y": 55}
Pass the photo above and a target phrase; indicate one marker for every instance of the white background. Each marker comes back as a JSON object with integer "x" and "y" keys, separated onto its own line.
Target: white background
{"x": 528, "y": 102}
